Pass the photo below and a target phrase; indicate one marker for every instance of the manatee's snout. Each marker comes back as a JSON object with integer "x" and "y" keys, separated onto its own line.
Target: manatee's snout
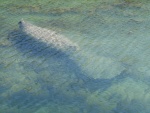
{"x": 20, "y": 22}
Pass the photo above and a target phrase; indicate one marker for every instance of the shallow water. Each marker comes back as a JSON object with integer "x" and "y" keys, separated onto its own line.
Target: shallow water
{"x": 109, "y": 74}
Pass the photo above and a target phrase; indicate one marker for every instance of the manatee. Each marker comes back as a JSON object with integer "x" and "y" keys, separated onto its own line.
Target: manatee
{"x": 49, "y": 37}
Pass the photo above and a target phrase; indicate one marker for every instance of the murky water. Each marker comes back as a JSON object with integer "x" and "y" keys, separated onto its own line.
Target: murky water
{"x": 109, "y": 74}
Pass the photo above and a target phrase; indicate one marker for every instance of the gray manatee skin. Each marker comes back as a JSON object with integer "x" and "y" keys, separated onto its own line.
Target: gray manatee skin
{"x": 49, "y": 37}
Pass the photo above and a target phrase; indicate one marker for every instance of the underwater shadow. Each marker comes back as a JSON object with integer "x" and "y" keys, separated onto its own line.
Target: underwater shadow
{"x": 26, "y": 101}
{"x": 31, "y": 47}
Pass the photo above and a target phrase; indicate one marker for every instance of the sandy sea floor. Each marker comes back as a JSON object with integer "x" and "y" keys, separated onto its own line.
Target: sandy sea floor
{"x": 109, "y": 74}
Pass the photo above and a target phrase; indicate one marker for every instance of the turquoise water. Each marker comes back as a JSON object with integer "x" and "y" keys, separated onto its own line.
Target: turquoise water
{"x": 109, "y": 74}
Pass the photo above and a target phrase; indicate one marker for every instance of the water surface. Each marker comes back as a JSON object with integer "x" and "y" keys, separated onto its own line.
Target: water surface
{"x": 109, "y": 74}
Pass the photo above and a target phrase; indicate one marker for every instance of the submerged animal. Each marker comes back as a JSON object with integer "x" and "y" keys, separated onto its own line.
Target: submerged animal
{"x": 49, "y": 37}
{"x": 102, "y": 67}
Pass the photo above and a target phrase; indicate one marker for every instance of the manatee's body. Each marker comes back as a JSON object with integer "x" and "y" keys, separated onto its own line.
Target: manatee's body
{"x": 101, "y": 68}
{"x": 49, "y": 37}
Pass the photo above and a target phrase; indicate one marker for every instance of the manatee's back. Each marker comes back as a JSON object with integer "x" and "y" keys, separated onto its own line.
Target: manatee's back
{"x": 49, "y": 37}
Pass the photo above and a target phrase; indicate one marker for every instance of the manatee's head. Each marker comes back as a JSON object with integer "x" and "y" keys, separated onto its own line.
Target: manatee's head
{"x": 21, "y": 23}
